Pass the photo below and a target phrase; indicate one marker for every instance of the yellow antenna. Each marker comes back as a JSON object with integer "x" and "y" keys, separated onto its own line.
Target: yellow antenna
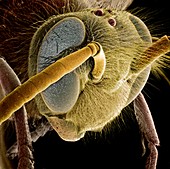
{"x": 157, "y": 49}
{"x": 36, "y": 84}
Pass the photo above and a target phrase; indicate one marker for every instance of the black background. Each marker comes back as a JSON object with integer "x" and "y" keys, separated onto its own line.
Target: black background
{"x": 117, "y": 147}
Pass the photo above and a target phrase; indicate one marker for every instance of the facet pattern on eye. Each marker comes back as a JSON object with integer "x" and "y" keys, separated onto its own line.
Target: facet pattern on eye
{"x": 69, "y": 32}
{"x": 61, "y": 96}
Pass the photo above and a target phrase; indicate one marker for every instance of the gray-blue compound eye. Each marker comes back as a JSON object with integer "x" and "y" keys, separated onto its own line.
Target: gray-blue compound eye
{"x": 61, "y": 96}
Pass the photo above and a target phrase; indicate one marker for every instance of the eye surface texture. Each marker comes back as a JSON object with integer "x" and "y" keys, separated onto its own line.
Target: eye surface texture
{"x": 67, "y": 33}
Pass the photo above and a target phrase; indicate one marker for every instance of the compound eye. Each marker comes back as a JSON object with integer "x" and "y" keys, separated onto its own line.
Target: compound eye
{"x": 99, "y": 12}
{"x": 67, "y": 33}
{"x": 112, "y": 22}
